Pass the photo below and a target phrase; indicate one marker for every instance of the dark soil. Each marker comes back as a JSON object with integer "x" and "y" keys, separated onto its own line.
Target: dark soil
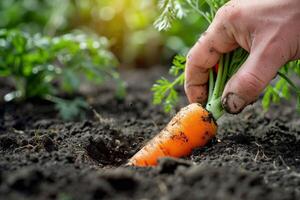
{"x": 256, "y": 155}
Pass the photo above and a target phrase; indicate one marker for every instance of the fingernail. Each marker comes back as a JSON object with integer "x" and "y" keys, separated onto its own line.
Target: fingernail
{"x": 233, "y": 104}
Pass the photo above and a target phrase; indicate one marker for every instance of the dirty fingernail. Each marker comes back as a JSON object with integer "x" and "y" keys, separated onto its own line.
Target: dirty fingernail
{"x": 233, "y": 104}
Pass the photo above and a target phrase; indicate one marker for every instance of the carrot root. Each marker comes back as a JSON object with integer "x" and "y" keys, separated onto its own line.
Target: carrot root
{"x": 192, "y": 127}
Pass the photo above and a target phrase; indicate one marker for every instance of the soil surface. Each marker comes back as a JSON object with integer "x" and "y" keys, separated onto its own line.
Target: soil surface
{"x": 256, "y": 155}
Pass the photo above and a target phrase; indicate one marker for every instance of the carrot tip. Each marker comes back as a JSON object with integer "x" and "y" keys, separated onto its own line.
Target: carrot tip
{"x": 129, "y": 164}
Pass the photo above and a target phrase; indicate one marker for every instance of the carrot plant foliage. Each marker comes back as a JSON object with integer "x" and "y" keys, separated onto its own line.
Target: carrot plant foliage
{"x": 44, "y": 67}
{"x": 165, "y": 92}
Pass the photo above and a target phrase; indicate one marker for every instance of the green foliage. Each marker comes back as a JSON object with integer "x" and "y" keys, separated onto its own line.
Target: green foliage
{"x": 35, "y": 15}
{"x": 127, "y": 23}
{"x": 171, "y": 9}
{"x": 164, "y": 91}
{"x": 177, "y": 9}
{"x": 44, "y": 67}
{"x": 68, "y": 109}
{"x": 284, "y": 87}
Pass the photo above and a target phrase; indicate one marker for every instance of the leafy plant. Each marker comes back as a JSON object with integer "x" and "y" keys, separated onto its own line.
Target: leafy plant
{"x": 177, "y": 9}
{"x": 165, "y": 91}
{"x": 36, "y": 16}
{"x": 45, "y": 67}
{"x": 284, "y": 86}
{"x": 128, "y": 23}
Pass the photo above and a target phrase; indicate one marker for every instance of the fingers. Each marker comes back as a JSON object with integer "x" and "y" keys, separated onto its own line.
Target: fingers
{"x": 252, "y": 78}
{"x": 218, "y": 39}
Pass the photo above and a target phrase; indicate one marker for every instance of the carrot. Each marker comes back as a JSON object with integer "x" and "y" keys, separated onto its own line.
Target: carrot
{"x": 192, "y": 127}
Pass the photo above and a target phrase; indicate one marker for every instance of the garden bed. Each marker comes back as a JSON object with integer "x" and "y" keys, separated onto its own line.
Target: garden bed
{"x": 255, "y": 155}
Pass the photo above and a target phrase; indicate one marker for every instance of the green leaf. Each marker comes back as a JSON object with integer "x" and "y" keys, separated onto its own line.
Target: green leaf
{"x": 266, "y": 101}
{"x": 71, "y": 81}
{"x": 121, "y": 90}
{"x": 70, "y": 109}
{"x": 298, "y": 103}
{"x": 171, "y": 9}
{"x": 283, "y": 87}
{"x": 164, "y": 91}
{"x": 178, "y": 65}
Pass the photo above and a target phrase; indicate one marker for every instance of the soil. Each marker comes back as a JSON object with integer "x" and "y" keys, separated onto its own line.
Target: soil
{"x": 256, "y": 155}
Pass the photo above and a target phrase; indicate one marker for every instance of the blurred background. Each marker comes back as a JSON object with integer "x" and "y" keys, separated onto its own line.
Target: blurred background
{"x": 128, "y": 24}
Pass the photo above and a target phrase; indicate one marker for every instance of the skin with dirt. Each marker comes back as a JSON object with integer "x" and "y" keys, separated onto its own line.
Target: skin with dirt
{"x": 256, "y": 155}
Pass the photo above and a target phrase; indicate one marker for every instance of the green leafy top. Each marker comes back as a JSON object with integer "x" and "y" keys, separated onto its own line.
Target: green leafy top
{"x": 44, "y": 67}
{"x": 284, "y": 86}
{"x": 177, "y": 9}
{"x": 165, "y": 91}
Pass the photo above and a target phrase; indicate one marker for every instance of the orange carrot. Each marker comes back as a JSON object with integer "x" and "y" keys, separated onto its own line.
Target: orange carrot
{"x": 192, "y": 127}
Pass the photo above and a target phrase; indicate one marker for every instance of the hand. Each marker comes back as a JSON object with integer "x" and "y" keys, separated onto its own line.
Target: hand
{"x": 269, "y": 30}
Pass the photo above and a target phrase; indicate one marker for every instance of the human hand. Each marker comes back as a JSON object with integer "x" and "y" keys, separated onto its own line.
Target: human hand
{"x": 269, "y": 30}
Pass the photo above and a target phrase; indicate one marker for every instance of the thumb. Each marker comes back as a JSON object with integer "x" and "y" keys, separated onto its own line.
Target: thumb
{"x": 251, "y": 79}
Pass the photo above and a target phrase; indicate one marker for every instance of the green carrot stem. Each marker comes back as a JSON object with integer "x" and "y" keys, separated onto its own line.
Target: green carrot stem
{"x": 211, "y": 84}
{"x": 229, "y": 64}
{"x": 225, "y": 73}
{"x": 219, "y": 79}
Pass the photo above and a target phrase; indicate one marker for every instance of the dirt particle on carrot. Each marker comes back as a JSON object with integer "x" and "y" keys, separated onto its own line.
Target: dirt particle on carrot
{"x": 181, "y": 137}
{"x": 208, "y": 118}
